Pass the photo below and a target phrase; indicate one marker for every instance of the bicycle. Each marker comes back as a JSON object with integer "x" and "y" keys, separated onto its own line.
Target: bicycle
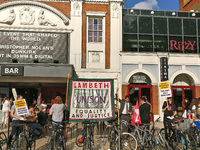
{"x": 158, "y": 141}
{"x": 118, "y": 140}
{"x": 3, "y": 139}
{"x": 85, "y": 137}
{"x": 26, "y": 140}
{"x": 56, "y": 140}
{"x": 143, "y": 135}
{"x": 174, "y": 136}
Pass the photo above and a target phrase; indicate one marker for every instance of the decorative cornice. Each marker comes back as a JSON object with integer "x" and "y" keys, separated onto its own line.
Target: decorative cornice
{"x": 38, "y": 4}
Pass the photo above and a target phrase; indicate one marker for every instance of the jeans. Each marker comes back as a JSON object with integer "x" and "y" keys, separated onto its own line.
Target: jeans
{"x": 15, "y": 130}
{"x": 34, "y": 127}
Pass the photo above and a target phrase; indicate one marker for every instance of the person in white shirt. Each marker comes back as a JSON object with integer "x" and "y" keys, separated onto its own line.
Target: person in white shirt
{"x": 5, "y": 111}
{"x": 44, "y": 106}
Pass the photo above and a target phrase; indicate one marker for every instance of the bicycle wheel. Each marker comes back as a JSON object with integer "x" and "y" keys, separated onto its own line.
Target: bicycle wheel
{"x": 80, "y": 140}
{"x": 112, "y": 140}
{"x": 3, "y": 139}
{"x": 161, "y": 143}
{"x": 127, "y": 142}
{"x": 190, "y": 140}
{"x": 196, "y": 134}
{"x": 178, "y": 141}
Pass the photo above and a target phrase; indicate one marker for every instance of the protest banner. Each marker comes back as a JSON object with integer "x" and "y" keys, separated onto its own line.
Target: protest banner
{"x": 21, "y": 107}
{"x": 164, "y": 89}
{"x": 92, "y": 99}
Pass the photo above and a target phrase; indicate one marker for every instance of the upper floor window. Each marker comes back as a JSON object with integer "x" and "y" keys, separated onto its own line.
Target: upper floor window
{"x": 95, "y": 29}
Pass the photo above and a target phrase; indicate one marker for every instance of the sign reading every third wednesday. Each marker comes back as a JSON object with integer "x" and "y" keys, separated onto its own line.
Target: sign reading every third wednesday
{"x": 164, "y": 89}
{"x": 12, "y": 70}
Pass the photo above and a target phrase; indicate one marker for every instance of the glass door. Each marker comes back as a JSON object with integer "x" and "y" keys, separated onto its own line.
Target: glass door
{"x": 137, "y": 91}
{"x": 179, "y": 94}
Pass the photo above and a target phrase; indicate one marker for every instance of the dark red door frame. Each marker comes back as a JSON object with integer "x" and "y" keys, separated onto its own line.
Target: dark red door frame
{"x": 183, "y": 92}
{"x": 139, "y": 95}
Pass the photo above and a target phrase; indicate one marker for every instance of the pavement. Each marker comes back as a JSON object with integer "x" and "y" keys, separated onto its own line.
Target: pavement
{"x": 100, "y": 139}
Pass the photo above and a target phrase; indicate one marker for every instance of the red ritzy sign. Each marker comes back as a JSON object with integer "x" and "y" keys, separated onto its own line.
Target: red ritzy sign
{"x": 182, "y": 45}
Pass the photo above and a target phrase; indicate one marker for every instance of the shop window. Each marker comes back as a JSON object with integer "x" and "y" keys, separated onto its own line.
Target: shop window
{"x": 175, "y": 45}
{"x": 130, "y": 24}
{"x": 190, "y": 45}
{"x": 175, "y": 26}
{"x": 130, "y": 42}
{"x": 160, "y": 44}
{"x": 145, "y": 24}
{"x": 189, "y": 26}
{"x": 145, "y": 43}
{"x": 160, "y": 25}
{"x": 95, "y": 29}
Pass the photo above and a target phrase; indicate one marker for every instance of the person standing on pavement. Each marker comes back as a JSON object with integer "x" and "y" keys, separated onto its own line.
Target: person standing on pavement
{"x": 169, "y": 109}
{"x": 15, "y": 121}
{"x": 57, "y": 110}
{"x": 144, "y": 111}
{"x": 5, "y": 111}
{"x": 125, "y": 111}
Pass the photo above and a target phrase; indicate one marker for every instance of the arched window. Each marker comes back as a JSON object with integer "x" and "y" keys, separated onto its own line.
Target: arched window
{"x": 140, "y": 78}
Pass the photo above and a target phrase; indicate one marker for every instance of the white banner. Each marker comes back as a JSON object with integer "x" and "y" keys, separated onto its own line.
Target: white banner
{"x": 91, "y": 99}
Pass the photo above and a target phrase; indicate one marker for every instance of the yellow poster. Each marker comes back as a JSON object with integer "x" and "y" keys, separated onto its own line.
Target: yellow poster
{"x": 164, "y": 85}
{"x": 20, "y": 103}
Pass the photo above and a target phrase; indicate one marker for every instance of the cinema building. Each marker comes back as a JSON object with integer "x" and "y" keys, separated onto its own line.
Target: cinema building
{"x": 148, "y": 37}
{"x": 42, "y": 42}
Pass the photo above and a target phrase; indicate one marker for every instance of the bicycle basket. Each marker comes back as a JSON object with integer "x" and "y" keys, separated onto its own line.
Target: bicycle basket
{"x": 197, "y": 123}
{"x": 184, "y": 124}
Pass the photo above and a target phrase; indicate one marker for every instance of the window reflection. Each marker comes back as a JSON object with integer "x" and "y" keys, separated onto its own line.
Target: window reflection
{"x": 175, "y": 26}
{"x": 145, "y": 24}
{"x": 160, "y": 44}
{"x": 145, "y": 43}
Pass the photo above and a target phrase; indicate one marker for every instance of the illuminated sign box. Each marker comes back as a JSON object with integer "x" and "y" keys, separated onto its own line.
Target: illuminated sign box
{"x": 27, "y": 47}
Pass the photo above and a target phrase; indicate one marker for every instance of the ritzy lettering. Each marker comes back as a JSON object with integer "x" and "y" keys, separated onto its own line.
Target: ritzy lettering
{"x": 182, "y": 45}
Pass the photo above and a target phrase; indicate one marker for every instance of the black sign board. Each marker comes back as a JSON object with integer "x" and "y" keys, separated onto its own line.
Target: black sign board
{"x": 164, "y": 68}
{"x": 31, "y": 47}
{"x": 12, "y": 70}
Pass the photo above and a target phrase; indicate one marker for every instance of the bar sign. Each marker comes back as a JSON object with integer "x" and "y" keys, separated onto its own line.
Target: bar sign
{"x": 12, "y": 70}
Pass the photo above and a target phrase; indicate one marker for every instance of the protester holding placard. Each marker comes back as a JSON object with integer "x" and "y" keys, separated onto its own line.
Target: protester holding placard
{"x": 15, "y": 120}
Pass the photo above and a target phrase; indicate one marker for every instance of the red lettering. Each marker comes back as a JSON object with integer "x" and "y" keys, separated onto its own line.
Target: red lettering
{"x": 106, "y": 85}
{"x": 95, "y": 85}
{"x": 173, "y": 45}
{"x": 84, "y": 85}
{"x": 90, "y": 85}
{"x": 100, "y": 85}
{"x": 75, "y": 85}
{"x": 190, "y": 44}
{"x": 79, "y": 85}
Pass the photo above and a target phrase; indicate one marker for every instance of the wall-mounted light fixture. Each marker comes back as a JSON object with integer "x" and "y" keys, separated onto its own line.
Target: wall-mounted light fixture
{"x": 152, "y": 12}
{"x": 193, "y": 14}
{"x": 131, "y": 11}
{"x": 173, "y": 14}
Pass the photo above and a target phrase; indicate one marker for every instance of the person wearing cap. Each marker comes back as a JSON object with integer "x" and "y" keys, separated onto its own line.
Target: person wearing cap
{"x": 169, "y": 109}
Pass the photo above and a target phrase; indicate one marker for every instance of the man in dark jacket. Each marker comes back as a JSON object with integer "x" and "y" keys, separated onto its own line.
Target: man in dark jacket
{"x": 125, "y": 111}
{"x": 144, "y": 111}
